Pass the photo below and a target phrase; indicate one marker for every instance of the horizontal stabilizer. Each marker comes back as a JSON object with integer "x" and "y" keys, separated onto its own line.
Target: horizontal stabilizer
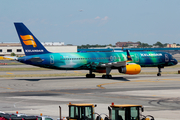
{"x": 115, "y": 64}
{"x": 10, "y": 57}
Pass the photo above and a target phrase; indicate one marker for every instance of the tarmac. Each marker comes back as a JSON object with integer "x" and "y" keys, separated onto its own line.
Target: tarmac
{"x": 34, "y": 95}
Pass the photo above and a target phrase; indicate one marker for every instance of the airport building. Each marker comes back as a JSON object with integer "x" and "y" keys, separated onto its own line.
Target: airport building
{"x": 172, "y": 46}
{"x": 8, "y": 48}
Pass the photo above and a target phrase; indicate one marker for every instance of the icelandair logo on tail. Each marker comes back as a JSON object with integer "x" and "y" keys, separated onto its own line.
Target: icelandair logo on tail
{"x": 28, "y": 40}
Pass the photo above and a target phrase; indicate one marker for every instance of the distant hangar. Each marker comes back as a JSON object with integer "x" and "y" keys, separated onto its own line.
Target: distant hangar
{"x": 8, "y": 48}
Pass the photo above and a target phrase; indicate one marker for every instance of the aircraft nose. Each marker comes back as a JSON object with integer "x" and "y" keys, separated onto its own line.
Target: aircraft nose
{"x": 175, "y": 62}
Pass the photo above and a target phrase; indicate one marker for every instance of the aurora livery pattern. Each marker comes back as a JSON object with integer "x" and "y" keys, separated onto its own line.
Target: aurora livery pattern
{"x": 102, "y": 62}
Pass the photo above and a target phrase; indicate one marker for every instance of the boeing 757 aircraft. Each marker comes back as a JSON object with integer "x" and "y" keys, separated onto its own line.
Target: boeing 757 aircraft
{"x": 102, "y": 62}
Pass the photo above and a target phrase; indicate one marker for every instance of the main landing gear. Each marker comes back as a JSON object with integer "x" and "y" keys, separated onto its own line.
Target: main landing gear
{"x": 106, "y": 76}
{"x": 108, "y": 70}
{"x": 90, "y": 75}
{"x": 159, "y": 71}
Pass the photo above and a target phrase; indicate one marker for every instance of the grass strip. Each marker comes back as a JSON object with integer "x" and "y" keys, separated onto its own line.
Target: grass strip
{"x": 23, "y": 69}
{"x": 38, "y": 68}
{"x": 76, "y": 74}
{"x": 14, "y": 63}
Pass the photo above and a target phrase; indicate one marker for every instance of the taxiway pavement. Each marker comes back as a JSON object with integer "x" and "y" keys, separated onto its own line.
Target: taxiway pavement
{"x": 34, "y": 95}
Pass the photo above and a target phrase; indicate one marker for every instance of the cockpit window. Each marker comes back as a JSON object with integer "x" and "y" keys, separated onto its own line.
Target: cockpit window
{"x": 172, "y": 57}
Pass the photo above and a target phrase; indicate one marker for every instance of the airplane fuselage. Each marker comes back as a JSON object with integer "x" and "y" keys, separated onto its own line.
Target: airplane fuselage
{"x": 102, "y": 62}
{"x": 94, "y": 60}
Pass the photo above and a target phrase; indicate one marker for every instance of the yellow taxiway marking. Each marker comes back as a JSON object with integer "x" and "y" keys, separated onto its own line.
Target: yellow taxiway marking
{"x": 77, "y": 72}
{"x": 5, "y": 88}
{"x": 154, "y": 95}
{"x": 100, "y": 86}
{"x": 149, "y": 80}
{"x": 9, "y": 73}
{"x": 175, "y": 79}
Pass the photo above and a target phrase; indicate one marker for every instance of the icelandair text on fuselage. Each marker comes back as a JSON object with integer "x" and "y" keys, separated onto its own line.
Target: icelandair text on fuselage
{"x": 34, "y": 50}
{"x": 151, "y": 54}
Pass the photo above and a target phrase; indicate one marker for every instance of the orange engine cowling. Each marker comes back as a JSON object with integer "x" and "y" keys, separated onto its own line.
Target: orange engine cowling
{"x": 130, "y": 69}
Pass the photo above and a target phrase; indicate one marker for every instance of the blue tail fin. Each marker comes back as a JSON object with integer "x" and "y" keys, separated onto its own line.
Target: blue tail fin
{"x": 30, "y": 43}
{"x": 128, "y": 56}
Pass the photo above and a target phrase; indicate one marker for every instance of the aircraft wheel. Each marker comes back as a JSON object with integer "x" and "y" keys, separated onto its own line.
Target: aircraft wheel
{"x": 90, "y": 75}
{"x": 106, "y": 76}
{"x": 109, "y": 76}
{"x": 159, "y": 74}
{"x": 93, "y": 75}
{"x": 103, "y": 76}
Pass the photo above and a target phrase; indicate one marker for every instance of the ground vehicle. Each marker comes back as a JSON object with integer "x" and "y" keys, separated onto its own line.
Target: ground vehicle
{"x": 81, "y": 112}
{"x": 43, "y": 117}
{"x": 127, "y": 112}
{"x": 116, "y": 112}
{"x": 19, "y": 116}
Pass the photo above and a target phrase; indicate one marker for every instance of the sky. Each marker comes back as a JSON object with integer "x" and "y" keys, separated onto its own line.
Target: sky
{"x": 93, "y": 22}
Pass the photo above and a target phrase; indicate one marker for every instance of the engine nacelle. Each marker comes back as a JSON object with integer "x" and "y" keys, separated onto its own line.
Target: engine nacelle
{"x": 130, "y": 69}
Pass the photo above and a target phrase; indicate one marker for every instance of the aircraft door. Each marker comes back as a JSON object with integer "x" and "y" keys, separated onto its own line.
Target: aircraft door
{"x": 136, "y": 58}
{"x": 166, "y": 58}
{"x": 51, "y": 59}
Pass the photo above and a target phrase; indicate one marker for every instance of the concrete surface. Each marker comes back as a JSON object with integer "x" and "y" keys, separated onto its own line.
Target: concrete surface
{"x": 159, "y": 95}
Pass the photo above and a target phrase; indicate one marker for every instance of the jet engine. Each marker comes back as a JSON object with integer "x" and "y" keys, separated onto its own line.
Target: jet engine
{"x": 130, "y": 69}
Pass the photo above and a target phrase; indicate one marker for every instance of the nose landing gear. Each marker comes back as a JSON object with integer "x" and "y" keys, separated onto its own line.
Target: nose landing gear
{"x": 159, "y": 71}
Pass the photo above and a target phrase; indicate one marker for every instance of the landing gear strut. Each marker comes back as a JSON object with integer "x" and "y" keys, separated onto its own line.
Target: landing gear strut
{"x": 108, "y": 70}
{"x": 159, "y": 71}
{"x": 90, "y": 75}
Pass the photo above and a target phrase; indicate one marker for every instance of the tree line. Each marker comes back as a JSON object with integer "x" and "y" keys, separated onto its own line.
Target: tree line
{"x": 93, "y": 46}
{"x": 141, "y": 45}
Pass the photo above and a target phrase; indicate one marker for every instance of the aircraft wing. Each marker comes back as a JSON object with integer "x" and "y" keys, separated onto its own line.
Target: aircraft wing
{"x": 115, "y": 64}
{"x": 118, "y": 64}
{"x": 35, "y": 59}
{"x": 10, "y": 57}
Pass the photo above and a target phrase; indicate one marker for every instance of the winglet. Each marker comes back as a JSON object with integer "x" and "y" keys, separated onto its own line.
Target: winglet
{"x": 128, "y": 56}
